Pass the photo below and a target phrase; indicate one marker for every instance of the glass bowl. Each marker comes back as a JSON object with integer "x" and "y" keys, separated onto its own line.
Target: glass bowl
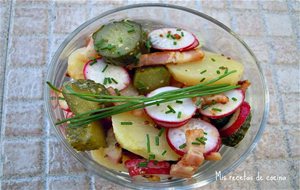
{"x": 215, "y": 37}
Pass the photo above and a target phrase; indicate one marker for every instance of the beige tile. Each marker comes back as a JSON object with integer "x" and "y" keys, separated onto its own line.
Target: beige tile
{"x": 113, "y": 2}
{"x": 222, "y": 16}
{"x": 183, "y": 3}
{"x": 244, "y": 4}
{"x": 70, "y": 2}
{"x": 274, "y": 115}
{"x": 98, "y": 9}
{"x": 278, "y": 24}
{"x": 249, "y": 23}
{"x": 291, "y": 107}
{"x": 22, "y": 159}
{"x": 293, "y": 134}
{"x": 19, "y": 185}
{"x": 29, "y": 122}
{"x": 30, "y": 21}
{"x": 285, "y": 50}
{"x": 213, "y": 4}
{"x": 269, "y": 169}
{"x": 28, "y": 51}
{"x": 272, "y": 145}
{"x": 69, "y": 183}
{"x": 279, "y": 5}
{"x": 29, "y": 86}
{"x": 102, "y": 184}
{"x": 61, "y": 162}
{"x": 259, "y": 47}
{"x": 30, "y": 3}
{"x": 67, "y": 19}
{"x": 295, "y": 5}
{"x": 288, "y": 78}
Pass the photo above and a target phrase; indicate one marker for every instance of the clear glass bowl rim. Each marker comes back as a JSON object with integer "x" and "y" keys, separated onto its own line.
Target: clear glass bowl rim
{"x": 110, "y": 174}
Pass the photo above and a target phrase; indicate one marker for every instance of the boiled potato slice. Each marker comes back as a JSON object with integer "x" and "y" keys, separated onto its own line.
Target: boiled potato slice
{"x": 190, "y": 73}
{"x": 100, "y": 157}
{"x": 133, "y": 137}
{"x": 79, "y": 58}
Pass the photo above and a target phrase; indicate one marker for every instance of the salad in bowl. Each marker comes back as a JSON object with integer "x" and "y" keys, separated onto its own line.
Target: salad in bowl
{"x": 151, "y": 101}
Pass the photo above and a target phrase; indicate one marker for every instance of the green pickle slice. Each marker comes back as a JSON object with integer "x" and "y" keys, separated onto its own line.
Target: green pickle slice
{"x": 91, "y": 136}
{"x": 150, "y": 78}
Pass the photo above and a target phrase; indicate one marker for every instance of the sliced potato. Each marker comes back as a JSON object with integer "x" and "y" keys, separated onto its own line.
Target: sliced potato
{"x": 79, "y": 58}
{"x": 100, "y": 157}
{"x": 212, "y": 66}
{"x": 134, "y": 137}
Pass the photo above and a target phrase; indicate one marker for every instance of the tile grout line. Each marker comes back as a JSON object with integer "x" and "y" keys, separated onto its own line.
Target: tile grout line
{"x": 51, "y": 14}
{"x": 2, "y": 118}
{"x": 277, "y": 94}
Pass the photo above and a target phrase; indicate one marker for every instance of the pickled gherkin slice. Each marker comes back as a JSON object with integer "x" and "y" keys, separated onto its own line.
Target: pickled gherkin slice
{"x": 150, "y": 78}
{"x": 92, "y": 135}
{"x": 77, "y": 104}
{"x": 84, "y": 138}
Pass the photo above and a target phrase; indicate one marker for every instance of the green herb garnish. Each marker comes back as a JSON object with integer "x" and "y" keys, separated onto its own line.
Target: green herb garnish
{"x": 116, "y": 82}
{"x": 202, "y": 72}
{"x": 157, "y": 140}
{"x": 179, "y": 115}
{"x": 195, "y": 143}
{"x": 164, "y": 152}
{"x": 182, "y": 146}
{"x": 234, "y": 99}
{"x": 151, "y": 156}
{"x": 179, "y": 101}
{"x": 216, "y": 109}
{"x": 143, "y": 164}
{"x": 148, "y": 143}
{"x": 126, "y": 123}
{"x": 161, "y": 131}
{"x": 202, "y": 79}
{"x": 103, "y": 70}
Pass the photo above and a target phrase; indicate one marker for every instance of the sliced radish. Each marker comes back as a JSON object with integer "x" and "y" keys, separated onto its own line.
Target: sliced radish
{"x": 63, "y": 103}
{"x": 176, "y": 136}
{"x": 171, "y": 114}
{"x": 108, "y": 75}
{"x": 192, "y": 46}
{"x": 171, "y": 39}
{"x": 151, "y": 170}
{"x": 236, "y": 121}
{"x": 215, "y": 111}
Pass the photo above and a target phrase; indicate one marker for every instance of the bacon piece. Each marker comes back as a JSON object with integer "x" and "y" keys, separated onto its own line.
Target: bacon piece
{"x": 167, "y": 57}
{"x": 244, "y": 85}
{"x": 217, "y": 98}
{"x": 191, "y": 160}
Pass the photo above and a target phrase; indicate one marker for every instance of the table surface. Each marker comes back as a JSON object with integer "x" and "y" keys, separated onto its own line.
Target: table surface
{"x": 31, "y": 30}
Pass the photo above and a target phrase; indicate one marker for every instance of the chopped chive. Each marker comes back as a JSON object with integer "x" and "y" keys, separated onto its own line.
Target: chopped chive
{"x": 151, "y": 156}
{"x": 179, "y": 101}
{"x": 143, "y": 164}
{"x": 174, "y": 43}
{"x": 148, "y": 44}
{"x": 168, "y": 35}
{"x": 234, "y": 99}
{"x": 117, "y": 92}
{"x": 103, "y": 70}
{"x": 198, "y": 102}
{"x": 178, "y": 29}
{"x": 205, "y": 133}
{"x": 218, "y": 72}
{"x": 182, "y": 146}
{"x": 114, "y": 80}
{"x": 164, "y": 152}
{"x": 179, "y": 115}
{"x": 205, "y": 107}
{"x": 182, "y": 34}
{"x": 161, "y": 131}
{"x": 126, "y": 123}
{"x": 201, "y": 140}
{"x": 222, "y": 68}
{"x": 130, "y": 30}
{"x": 157, "y": 140}
{"x": 202, "y": 80}
{"x": 216, "y": 109}
{"x": 109, "y": 80}
{"x": 155, "y": 162}
{"x": 105, "y": 81}
{"x": 171, "y": 109}
{"x": 61, "y": 98}
{"x": 195, "y": 143}
{"x": 157, "y": 104}
{"x": 203, "y": 72}
{"x": 148, "y": 143}
{"x": 213, "y": 59}
{"x": 93, "y": 62}
{"x": 173, "y": 37}
{"x": 226, "y": 71}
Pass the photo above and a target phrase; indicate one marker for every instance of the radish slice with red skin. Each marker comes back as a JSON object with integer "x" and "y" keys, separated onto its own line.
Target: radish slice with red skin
{"x": 176, "y": 137}
{"x": 108, "y": 75}
{"x": 161, "y": 113}
{"x": 192, "y": 46}
{"x": 151, "y": 168}
{"x": 236, "y": 120}
{"x": 216, "y": 111}
{"x": 171, "y": 39}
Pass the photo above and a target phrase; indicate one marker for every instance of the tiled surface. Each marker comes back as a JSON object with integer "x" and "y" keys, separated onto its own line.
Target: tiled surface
{"x": 30, "y": 31}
